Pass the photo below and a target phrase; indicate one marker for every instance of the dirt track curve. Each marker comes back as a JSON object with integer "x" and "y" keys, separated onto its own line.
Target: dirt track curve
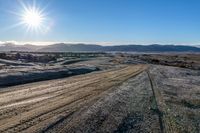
{"x": 38, "y": 107}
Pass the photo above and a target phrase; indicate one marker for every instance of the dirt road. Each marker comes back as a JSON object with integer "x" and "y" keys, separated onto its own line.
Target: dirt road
{"x": 42, "y": 106}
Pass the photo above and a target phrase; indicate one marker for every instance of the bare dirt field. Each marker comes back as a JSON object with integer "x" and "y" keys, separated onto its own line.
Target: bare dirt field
{"x": 127, "y": 94}
{"x": 39, "y": 106}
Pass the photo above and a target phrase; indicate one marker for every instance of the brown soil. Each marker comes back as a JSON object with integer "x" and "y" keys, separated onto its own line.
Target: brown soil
{"x": 37, "y": 107}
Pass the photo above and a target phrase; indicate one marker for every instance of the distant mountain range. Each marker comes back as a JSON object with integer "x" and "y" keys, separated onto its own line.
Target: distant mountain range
{"x": 13, "y": 47}
{"x": 62, "y": 47}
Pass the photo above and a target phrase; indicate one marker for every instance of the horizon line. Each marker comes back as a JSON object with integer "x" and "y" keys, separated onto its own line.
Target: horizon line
{"x": 45, "y": 43}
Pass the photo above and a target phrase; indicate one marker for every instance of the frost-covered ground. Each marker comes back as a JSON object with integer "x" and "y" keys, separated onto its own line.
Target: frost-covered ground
{"x": 120, "y": 97}
{"x": 16, "y": 72}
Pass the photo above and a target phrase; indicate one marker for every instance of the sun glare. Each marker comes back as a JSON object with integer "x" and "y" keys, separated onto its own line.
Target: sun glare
{"x": 32, "y": 18}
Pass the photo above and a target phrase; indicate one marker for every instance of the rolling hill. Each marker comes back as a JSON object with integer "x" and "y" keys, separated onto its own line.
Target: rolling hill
{"x": 62, "y": 47}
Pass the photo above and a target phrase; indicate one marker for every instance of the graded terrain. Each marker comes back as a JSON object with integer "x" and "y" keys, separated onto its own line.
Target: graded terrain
{"x": 121, "y": 95}
{"x": 38, "y": 106}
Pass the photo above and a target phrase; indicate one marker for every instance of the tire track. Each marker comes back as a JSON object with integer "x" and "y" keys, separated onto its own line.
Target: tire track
{"x": 164, "y": 118}
{"x": 66, "y": 96}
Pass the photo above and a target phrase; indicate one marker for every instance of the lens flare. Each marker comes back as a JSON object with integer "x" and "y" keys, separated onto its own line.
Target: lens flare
{"x": 32, "y": 18}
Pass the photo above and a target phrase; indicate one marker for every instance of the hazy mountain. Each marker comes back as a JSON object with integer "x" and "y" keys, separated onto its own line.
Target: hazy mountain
{"x": 13, "y": 47}
{"x": 62, "y": 47}
{"x": 125, "y": 48}
{"x": 153, "y": 48}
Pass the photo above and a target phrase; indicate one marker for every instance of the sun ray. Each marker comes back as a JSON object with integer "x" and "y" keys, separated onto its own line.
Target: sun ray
{"x": 12, "y": 26}
{"x": 32, "y": 17}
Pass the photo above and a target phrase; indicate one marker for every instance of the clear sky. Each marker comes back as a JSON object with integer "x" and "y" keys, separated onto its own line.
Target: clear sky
{"x": 118, "y": 21}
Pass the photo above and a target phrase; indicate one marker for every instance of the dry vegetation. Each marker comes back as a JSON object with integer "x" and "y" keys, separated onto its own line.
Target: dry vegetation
{"x": 178, "y": 96}
{"x": 191, "y": 61}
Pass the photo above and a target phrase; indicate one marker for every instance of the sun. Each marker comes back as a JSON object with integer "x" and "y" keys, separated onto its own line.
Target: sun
{"x": 32, "y": 18}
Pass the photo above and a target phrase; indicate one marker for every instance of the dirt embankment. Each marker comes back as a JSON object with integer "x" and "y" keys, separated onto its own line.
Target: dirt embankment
{"x": 34, "y": 75}
{"x": 16, "y": 75}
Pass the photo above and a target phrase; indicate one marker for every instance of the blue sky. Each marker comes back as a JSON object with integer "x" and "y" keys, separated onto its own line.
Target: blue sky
{"x": 114, "y": 21}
